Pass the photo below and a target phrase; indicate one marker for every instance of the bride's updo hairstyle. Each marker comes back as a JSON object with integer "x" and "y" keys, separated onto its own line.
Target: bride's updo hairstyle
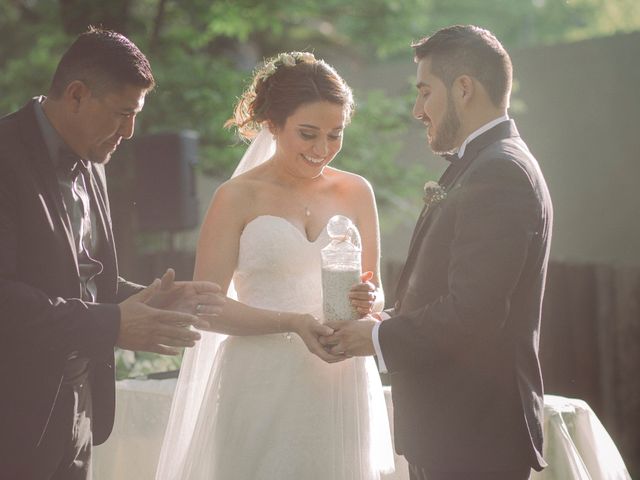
{"x": 284, "y": 83}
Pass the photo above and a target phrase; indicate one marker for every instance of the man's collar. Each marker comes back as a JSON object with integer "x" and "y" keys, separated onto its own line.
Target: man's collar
{"x": 480, "y": 131}
{"x": 59, "y": 152}
{"x": 52, "y": 138}
{"x": 70, "y": 163}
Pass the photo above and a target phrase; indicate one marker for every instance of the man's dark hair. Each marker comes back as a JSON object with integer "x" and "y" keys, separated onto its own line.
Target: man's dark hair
{"x": 469, "y": 50}
{"x": 105, "y": 61}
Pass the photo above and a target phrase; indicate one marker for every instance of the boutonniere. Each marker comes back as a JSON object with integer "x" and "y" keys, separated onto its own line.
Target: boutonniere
{"x": 433, "y": 194}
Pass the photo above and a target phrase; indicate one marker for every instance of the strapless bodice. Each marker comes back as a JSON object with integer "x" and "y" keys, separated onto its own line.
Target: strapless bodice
{"x": 279, "y": 268}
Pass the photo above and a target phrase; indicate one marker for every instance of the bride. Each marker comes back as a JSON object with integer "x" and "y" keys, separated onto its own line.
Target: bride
{"x": 252, "y": 403}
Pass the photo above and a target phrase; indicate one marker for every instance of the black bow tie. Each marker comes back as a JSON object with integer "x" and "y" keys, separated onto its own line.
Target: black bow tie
{"x": 450, "y": 157}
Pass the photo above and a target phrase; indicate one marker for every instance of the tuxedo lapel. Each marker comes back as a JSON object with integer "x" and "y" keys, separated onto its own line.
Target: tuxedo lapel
{"x": 42, "y": 164}
{"x": 448, "y": 181}
{"x": 453, "y": 171}
{"x": 424, "y": 214}
{"x": 99, "y": 201}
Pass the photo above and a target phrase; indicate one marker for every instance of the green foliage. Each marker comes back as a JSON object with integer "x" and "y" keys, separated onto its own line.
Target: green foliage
{"x": 28, "y": 56}
{"x": 197, "y": 96}
{"x": 203, "y": 51}
{"x": 137, "y": 364}
{"x": 371, "y": 146}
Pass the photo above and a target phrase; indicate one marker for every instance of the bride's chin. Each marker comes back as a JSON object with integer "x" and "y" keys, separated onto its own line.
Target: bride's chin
{"x": 317, "y": 170}
{"x": 310, "y": 170}
{"x": 318, "y": 175}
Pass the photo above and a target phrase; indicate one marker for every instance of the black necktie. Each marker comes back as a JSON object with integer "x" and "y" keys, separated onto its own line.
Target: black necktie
{"x": 71, "y": 163}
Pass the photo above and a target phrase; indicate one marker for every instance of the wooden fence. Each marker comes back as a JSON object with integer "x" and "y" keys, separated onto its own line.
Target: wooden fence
{"x": 590, "y": 346}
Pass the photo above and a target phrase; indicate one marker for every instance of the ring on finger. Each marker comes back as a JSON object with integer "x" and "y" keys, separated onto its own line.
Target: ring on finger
{"x": 199, "y": 308}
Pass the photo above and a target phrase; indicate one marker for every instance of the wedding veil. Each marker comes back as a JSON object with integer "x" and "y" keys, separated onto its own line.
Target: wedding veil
{"x": 197, "y": 362}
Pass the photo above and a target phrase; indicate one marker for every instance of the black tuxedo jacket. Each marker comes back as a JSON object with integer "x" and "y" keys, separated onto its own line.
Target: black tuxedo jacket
{"x": 462, "y": 341}
{"x": 42, "y": 319}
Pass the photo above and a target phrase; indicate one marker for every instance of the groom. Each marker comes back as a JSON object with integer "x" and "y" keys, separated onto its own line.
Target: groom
{"x": 63, "y": 306}
{"x": 461, "y": 343}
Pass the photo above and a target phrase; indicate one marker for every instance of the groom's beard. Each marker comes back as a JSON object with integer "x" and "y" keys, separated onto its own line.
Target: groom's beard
{"x": 445, "y": 139}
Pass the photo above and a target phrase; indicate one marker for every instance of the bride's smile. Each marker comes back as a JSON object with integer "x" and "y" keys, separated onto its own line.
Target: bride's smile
{"x": 310, "y": 138}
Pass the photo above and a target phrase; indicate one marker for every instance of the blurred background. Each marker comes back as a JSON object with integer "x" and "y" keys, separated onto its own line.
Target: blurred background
{"x": 575, "y": 101}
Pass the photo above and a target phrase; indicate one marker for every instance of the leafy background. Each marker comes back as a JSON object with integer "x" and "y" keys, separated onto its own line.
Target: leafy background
{"x": 203, "y": 52}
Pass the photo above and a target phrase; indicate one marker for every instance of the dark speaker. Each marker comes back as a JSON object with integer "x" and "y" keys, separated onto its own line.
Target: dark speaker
{"x": 165, "y": 181}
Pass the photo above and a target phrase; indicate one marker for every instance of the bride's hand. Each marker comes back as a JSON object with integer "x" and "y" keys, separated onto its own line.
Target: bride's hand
{"x": 363, "y": 295}
{"x": 309, "y": 329}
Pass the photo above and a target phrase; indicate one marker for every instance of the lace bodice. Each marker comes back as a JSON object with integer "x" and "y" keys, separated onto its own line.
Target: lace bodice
{"x": 278, "y": 267}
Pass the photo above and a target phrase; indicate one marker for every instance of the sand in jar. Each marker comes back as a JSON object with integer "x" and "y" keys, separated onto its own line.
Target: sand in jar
{"x": 337, "y": 281}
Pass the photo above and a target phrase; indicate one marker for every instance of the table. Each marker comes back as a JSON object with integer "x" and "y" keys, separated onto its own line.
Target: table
{"x": 577, "y": 447}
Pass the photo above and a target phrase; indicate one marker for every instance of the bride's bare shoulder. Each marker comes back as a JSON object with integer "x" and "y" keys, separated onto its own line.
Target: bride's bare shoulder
{"x": 243, "y": 186}
{"x": 347, "y": 180}
{"x": 238, "y": 196}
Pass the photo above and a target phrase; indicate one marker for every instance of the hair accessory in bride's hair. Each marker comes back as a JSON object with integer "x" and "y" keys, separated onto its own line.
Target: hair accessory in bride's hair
{"x": 286, "y": 59}
{"x": 283, "y": 83}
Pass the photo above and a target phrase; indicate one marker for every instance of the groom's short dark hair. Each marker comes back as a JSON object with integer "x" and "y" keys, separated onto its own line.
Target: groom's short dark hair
{"x": 469, "y": 50}
{"x": 105, "y": 61}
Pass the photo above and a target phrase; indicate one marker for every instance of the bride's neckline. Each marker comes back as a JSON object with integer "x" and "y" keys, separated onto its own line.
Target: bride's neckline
{"x": 289, "y": 222}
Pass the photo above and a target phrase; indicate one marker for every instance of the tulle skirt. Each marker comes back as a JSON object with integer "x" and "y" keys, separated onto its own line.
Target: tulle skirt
{"x": 273, "y": 411}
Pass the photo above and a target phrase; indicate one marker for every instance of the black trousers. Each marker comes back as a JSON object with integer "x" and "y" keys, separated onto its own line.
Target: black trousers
{"x": 65, "y": 450}
{"x": 418, "y": 473}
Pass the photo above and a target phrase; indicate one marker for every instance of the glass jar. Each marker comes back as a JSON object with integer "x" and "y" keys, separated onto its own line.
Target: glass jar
{"x": 341, "y": 268}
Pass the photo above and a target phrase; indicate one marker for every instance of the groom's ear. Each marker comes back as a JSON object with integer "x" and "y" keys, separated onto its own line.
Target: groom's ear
{"x": 464, "y": 88}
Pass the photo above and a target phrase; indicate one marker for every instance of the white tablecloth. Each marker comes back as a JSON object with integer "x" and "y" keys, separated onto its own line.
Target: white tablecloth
{"x": 577, "y": 447}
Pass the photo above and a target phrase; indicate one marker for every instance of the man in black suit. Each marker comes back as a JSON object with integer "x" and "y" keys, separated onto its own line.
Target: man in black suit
{"x": 461, "y": 343}
{"x": 63, "y": 306}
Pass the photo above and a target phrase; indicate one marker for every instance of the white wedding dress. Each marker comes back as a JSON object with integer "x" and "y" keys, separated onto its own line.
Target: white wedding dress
{"x": 271, "y": 409}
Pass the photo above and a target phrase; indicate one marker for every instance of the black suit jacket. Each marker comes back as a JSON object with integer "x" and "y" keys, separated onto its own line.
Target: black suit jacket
{"x": 42, "y": 319}
{"x": 462, "y": 343}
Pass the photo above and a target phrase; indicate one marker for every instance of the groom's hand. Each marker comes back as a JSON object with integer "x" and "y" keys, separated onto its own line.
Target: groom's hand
{"x": 351, "y": 338}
